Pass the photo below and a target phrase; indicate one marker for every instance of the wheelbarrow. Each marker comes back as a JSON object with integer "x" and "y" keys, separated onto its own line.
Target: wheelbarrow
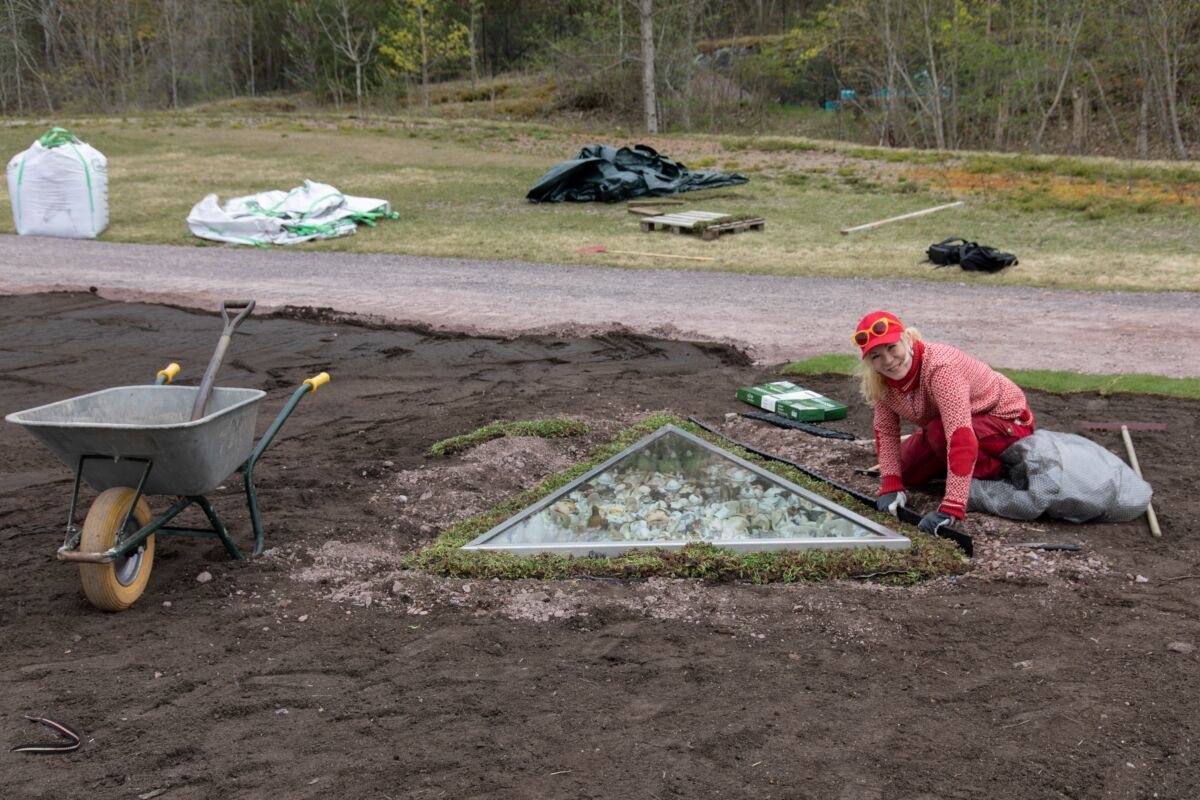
{"x": 128, "y": 442}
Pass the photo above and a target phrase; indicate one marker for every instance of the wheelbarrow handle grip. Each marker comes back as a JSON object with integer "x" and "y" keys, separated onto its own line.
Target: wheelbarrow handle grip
{"x": 168, "y": 373}
{"x": 245, "y": 306}
{"x": 317, "y": 381}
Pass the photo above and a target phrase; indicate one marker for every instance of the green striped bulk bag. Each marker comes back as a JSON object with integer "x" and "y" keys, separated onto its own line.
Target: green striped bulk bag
{"x": 59, "y": 187}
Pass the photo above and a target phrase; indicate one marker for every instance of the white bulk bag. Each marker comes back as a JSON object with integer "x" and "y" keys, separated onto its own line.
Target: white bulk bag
{"x": 59, "y": 187}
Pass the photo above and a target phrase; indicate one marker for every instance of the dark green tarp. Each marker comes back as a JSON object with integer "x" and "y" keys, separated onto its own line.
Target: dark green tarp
{"x": 601, "y": 172}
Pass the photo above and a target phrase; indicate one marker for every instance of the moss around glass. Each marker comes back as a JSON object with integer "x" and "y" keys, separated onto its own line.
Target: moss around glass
{"x": 671, "y": 489}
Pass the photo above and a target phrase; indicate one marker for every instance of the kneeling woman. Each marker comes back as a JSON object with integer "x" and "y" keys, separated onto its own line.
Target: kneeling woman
{"x": 967, "y": 414}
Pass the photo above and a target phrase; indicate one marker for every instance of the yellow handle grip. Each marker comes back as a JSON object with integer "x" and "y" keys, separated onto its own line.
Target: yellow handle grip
{"x": 317, "y": 381}
{"x": 169, "y": 373}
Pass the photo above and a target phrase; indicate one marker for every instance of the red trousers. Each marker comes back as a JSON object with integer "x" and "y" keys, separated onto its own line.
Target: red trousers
{"x": 923, "y": 455}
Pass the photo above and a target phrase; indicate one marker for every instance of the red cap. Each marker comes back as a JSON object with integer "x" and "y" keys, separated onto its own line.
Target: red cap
{"x": 892, "y": 332}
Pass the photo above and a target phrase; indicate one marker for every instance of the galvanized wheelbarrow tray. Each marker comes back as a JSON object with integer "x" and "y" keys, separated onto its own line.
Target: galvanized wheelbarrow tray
{"x": 131, "y": 441}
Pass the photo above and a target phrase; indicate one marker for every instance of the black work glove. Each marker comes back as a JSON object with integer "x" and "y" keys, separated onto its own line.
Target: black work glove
{"x": 933, "y": 521}
{"x": 891, "y": 503}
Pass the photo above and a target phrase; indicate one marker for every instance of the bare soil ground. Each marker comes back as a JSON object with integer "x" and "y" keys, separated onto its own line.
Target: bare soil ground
{"x": 324, "y": 670}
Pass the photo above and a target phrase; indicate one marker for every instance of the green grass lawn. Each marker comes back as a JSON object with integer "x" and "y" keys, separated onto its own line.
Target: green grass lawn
{"x": 459, "y": 188}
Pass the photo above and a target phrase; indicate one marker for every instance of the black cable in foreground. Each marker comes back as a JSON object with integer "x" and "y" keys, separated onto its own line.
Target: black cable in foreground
{"x": 69, "y": 734}
{"x": 905, "y": 514}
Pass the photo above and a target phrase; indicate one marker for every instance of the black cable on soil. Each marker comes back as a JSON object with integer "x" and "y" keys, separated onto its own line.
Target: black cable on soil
{"x": 905, "y": 514}
{"x": 795, "y": 424}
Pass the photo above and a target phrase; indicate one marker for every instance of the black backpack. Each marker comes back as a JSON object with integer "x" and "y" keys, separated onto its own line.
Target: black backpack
{"x": 971, "y": 256}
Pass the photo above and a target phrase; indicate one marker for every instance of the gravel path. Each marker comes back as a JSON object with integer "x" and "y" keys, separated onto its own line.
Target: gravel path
{"x": 773, "y": 318}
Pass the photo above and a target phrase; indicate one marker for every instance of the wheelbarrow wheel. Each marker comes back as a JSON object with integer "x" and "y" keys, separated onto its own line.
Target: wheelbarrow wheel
{"x": 115, "y": 586}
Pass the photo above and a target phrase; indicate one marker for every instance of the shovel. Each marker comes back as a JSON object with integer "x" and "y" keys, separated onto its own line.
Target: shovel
{"x": 214, "y": 364}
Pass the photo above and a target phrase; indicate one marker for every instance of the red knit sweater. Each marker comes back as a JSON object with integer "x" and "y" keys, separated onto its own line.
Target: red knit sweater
{"x": 951, "y": 385}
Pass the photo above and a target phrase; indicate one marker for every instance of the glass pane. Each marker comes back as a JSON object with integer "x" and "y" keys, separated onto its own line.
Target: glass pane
{"x": 675, "y": 489}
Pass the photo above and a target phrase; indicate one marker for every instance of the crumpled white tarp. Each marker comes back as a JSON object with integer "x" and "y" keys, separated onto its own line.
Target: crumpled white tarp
{"x": 312, "y": 211}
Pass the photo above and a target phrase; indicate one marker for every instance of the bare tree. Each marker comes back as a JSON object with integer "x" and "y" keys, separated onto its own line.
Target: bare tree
{"x": 248, "y": 9}
{"x": 15, "y": 60}
{"x": 1072, "y": 40}
{"x": 689, "y": 59}
{"x": 474, "y": 12}
{"x": 170, "y": 19}
{"x": 937, "y": 114}
{"x": 21, "y": 60}
{"x": 354, "y": 38}
{"x": 649, "y": 98}
{"x": 1165, "y": 20}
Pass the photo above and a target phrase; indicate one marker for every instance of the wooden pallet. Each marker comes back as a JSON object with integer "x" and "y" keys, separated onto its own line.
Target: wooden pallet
{"x": 686, "y": 221}
{"x": 737, "y": 226}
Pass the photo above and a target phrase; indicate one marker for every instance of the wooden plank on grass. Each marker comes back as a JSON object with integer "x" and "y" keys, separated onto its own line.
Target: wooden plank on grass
{"x": 920, "y": 213}
{"x": 639, "y": 203}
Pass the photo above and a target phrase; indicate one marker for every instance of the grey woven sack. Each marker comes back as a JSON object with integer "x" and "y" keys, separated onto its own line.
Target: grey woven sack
{"x": 1062, "y": 476}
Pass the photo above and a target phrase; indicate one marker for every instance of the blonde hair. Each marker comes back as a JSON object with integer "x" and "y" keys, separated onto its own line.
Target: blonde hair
{"x": 873, "y": 387}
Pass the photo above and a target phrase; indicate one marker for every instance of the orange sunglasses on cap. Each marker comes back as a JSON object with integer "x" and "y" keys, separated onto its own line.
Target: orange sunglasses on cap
{"x": 878, "y": 328}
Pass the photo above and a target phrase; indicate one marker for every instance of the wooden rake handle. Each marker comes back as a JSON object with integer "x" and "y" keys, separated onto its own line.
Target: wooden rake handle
{"x": 1151, "y": 517}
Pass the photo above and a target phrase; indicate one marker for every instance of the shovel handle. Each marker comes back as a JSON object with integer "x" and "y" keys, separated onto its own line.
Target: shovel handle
{"x": 243, "y": 307}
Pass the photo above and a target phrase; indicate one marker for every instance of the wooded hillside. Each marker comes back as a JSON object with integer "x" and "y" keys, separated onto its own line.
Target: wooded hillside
{"x": 1120, "y": 77}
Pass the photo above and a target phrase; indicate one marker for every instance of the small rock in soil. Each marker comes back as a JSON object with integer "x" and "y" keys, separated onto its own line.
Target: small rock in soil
{"x": 1181, "y": 647}
{"x": 204, "y": 577}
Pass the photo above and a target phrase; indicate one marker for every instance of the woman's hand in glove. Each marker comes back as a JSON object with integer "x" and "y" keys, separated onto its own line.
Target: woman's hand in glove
{"x": 933, "y": 521}
{"x": 891, "y": 502}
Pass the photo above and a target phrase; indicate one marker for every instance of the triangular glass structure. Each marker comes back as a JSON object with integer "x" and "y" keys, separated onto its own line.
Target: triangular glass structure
{"x": 671, "y": 489}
